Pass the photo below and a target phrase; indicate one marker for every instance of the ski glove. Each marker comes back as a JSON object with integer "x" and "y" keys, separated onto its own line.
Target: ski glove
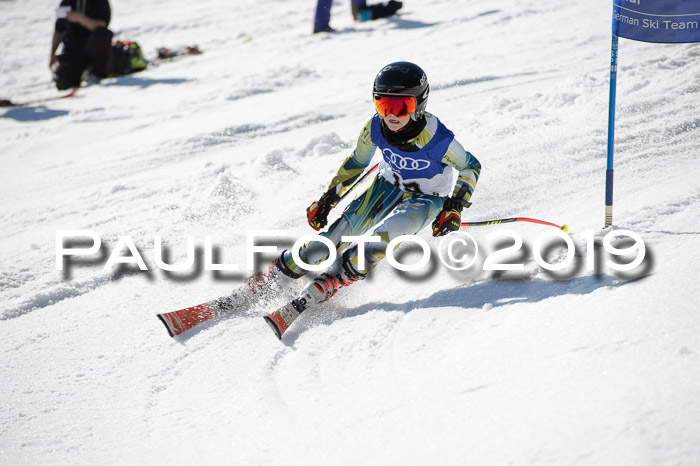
{"x": 317, "y": 213}
{"x": 450, "y": 218}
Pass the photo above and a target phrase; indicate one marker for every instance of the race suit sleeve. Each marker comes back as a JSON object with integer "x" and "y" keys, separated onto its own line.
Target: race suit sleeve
{"x": 469, "y": 169}
{"x": 355, "y": 164}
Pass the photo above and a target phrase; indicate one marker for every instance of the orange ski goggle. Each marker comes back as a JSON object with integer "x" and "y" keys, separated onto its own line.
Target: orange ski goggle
{"x": 399, "y": 106}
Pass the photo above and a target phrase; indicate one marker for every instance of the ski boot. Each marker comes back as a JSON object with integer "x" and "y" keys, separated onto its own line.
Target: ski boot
{"x": 323, "y": 288}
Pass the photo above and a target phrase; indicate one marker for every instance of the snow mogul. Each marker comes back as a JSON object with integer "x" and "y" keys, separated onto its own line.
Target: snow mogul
{"x": 414, "y": 187}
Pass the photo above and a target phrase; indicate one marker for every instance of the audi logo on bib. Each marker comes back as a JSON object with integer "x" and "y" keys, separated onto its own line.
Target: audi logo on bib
{"x": 404, "y": 163}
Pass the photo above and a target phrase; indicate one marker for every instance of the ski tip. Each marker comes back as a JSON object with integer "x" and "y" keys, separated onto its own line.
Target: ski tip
{"x": 162, "y": 319}
{"x": 273, "y": 326}
{"x": 564, "y": 228}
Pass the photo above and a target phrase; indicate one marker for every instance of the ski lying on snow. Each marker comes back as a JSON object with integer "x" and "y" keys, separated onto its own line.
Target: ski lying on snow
{"x": 9, "y": 103}
{"x": 165, "y": 53}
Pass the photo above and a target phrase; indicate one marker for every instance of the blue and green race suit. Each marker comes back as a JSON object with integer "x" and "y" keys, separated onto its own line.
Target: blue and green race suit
{"x": 405, "y": 196}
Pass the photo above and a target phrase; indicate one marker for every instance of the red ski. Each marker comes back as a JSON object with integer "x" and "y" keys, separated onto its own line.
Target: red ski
{"x": 252, "y": 289}
{"x": 178, "y": 321}
{"x": 9, "y": 103}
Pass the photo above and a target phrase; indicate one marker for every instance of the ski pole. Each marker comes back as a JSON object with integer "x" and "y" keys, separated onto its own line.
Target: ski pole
{"x": 563, "y": 228}
{"x": 313, "y": 208}
{"x": 357, "y": 182}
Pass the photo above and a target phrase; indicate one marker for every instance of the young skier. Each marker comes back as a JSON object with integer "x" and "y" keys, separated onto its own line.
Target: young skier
{"x": 414, "y": 187}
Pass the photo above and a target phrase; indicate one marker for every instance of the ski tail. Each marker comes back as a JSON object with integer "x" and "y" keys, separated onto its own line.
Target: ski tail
{"x": 177, "y": 322}
{"x": 280, "y": 320}
{"x": 252, "y": 290}
{"x": 273, "y": 326}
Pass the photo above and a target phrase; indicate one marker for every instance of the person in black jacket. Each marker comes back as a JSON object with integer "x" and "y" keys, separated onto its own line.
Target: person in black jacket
{"x": 81, "y": 26}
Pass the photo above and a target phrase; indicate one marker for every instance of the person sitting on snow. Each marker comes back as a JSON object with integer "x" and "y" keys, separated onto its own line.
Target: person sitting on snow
{"x": 81, "y": 26}
{"x": 360, "y": 12}
{"x": 363, "y": 12}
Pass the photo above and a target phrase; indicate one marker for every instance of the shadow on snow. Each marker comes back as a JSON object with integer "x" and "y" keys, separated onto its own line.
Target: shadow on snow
{"x": 400, "y": 23}
{"x": 144, "y": 82}
{"x": 498, "y": 293}
{"x": 29, "y": 113}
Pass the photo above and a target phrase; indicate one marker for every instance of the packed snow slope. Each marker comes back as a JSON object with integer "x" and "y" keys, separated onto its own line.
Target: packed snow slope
{"x": 582, "y": 367}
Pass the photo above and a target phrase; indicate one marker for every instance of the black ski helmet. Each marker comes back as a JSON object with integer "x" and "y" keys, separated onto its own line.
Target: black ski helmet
{"x": 403, "y": 78}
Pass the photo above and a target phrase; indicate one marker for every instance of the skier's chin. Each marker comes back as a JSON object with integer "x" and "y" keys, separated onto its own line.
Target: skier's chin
{"x": 394, "y": 124}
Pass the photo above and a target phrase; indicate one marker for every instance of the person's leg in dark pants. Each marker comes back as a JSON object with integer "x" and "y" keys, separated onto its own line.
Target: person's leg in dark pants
{"x": 98, "y": 51}
{"x": 323, "y": 16}
{"x": 70, "y": 69}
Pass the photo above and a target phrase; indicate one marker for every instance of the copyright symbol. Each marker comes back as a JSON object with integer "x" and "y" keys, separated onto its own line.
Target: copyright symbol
{"x": 462, "y": 243}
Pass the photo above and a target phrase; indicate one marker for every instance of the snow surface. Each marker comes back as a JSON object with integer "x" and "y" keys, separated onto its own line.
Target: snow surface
{"x": 470, "y": 368}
